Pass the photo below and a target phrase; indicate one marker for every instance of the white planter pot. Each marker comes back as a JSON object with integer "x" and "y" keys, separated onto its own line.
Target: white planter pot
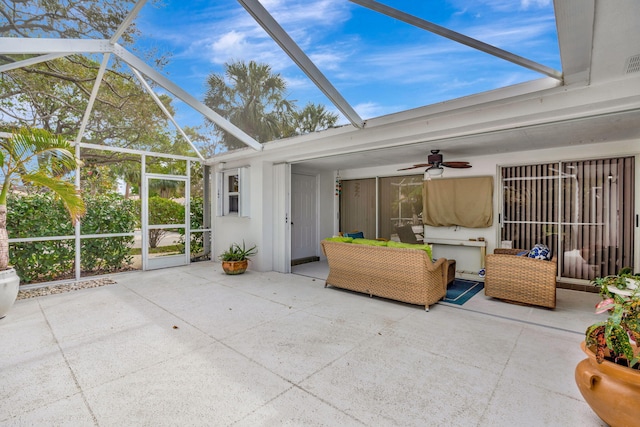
{"x": 9, "y": 282}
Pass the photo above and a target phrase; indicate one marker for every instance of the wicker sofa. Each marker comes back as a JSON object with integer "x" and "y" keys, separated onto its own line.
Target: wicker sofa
{"x": 406, "y": 275}
{"x": 520, "y": 279}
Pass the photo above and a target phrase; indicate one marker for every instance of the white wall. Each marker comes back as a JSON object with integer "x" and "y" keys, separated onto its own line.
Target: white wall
{"x": 257, "y": 228}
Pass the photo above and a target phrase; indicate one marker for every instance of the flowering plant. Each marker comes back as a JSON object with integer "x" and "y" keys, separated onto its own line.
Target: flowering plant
{"x": 618, "y": 337}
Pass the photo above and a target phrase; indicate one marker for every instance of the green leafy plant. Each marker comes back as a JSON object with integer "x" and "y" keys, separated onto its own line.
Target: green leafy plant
{"x": 162, "y": 211}
{"x": 237, "y": 253}
{"x": 197, "y": 244}
{"x": 107, "y": 213}
{"x": 36, "y": 158}
{"x": 41, "y": 215}
{"x": 618, "y": 337}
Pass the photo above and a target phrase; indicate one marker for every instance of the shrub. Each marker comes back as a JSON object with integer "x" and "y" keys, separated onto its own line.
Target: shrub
{"x": 162, "y": 211}
{"x": 40, "y": 215}
{"x": 109, "y": 213}
{"x": 197, "y": 215}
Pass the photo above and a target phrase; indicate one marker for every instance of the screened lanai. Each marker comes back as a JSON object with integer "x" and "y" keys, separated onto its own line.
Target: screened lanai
{"x": 541, "y": 97}
{"x": 472, "y": 79}
{"x": 69, "y": 42}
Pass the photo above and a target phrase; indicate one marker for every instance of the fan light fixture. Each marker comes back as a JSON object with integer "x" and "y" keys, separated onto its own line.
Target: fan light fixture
{"x": 433, "y": 171}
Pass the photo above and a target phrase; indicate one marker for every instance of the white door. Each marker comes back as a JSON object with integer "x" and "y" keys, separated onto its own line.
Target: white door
{"x": 304, "y": 230}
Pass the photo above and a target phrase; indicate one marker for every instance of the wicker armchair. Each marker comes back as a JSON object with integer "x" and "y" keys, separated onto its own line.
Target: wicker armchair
{"x": 520, "y": 279}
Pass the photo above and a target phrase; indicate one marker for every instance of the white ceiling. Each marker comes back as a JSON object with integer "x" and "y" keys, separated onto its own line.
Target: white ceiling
{"x": 614, "y": 127}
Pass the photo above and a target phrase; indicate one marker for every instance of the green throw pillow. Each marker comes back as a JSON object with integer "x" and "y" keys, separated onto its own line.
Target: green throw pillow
{"x": 426, "y": 248}
{"x": 339, "y": 239}
{"x": 370, "y": 242}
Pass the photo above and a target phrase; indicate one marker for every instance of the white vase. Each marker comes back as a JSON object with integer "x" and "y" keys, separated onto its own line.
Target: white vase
{"x": 9, "y": 282}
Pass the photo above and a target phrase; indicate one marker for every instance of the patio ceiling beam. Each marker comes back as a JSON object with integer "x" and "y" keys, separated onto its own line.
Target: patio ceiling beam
{"x": 164, "y": 110}
{"x": 145, "y": 69}
{"x": 460, "y": 38}
{"x": 127, "y": 21}
{"x": 282, "y": 38}
{"x": 12, "y": 45}
{"x": 31, "y": 61}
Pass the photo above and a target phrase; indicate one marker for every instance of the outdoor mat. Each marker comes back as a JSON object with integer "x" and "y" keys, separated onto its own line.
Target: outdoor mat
{"x": 461, "y": 291}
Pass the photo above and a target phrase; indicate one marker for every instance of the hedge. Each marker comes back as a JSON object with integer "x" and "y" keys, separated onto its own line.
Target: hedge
{"x": 40, "y": 215}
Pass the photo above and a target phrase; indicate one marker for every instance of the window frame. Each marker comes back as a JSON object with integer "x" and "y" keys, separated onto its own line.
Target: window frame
{"x": 233, "y": 194}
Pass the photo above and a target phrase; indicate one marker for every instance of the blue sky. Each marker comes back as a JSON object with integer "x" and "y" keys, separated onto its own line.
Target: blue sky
{"x": 379, "y": 65}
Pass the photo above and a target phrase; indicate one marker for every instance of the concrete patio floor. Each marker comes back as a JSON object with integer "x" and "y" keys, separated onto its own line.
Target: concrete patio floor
{"x": 191, "y": 346}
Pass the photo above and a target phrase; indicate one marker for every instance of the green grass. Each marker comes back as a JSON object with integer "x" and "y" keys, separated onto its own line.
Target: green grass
{"x": 158, "y": 250}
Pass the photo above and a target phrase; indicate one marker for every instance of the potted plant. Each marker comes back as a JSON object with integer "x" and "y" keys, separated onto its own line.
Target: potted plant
{"x": 33, "y": 157}
{"x": 235, "y": 260}
{"x": 609, "y": 379}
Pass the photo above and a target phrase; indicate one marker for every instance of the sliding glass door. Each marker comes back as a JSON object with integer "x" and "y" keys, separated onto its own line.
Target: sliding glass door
{"x": 380, "y": 204}
{"x": 358, "y": 206}
{"x": 582, "y": 210}
{"x": 400, "y": 203}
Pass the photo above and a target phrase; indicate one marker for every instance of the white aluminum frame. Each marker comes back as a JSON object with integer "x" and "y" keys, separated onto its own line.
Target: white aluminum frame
{"x": 78, "y": 237}
{"x": 171, "y": 260}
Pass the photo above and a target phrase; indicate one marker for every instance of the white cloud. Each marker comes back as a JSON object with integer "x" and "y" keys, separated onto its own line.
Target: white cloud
{"x": 327, "y": 60}
{"x": 525, "y": 4}
{"x": 489, "y": 7}
{"x": 374, "y": 109}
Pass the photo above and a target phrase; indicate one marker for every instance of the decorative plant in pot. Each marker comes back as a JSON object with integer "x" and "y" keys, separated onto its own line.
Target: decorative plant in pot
{"x": 609, "y": 379}
{"x": 235, "y": 260}
{"x": 34, "y": 158}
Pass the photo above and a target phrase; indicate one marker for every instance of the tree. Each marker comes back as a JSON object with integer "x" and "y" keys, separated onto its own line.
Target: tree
{"x": 313, "y": 118}
{"x": 65, "y": 18}
{"x": 252, "y": 98}
{"x": 53, "y": 95}
{"x": 38, "y": 158}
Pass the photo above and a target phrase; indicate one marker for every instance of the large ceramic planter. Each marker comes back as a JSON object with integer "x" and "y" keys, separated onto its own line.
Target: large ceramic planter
{"x": 9, "y": 282}
{"x": 612, "y": 391}
{"x": 235, "y": 267}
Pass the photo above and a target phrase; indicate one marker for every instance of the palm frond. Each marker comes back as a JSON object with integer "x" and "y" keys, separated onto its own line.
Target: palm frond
{"x": 65, "y": 191}
{"x": 33, "y": 149}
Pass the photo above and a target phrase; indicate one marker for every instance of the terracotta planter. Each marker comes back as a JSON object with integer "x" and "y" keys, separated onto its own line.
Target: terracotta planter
{"x": 9, "y": 282}
{"x": 235, "y": 267}
{"x": 612, "y": 391}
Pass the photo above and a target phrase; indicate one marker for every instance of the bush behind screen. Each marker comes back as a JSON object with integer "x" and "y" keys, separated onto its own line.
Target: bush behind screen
{"x": 40, "y": 215}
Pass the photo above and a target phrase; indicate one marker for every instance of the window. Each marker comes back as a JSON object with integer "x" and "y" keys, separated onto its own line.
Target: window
{"x": 400, "y": 203}
{"x": 380, "y": 204}
{"x": 233, "y": 192}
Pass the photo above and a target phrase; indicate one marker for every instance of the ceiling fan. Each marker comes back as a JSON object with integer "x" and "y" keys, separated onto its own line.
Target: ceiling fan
{"x": 434, "y": 167}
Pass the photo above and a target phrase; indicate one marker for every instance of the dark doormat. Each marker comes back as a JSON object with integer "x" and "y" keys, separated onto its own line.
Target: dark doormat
{"x": 304, "y": 260}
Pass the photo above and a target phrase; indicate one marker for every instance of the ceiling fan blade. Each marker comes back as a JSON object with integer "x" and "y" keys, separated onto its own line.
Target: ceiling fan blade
{"x": 421, "y": 165}
{"x": 459, "y": 165}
